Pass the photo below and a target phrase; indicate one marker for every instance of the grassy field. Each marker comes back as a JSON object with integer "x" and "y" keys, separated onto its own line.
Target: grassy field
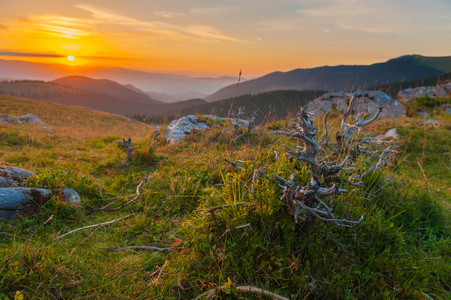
{"x": 401, "y": 250}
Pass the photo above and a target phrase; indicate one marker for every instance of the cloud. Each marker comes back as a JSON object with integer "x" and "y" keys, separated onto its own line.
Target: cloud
{"x": 162, "y": 30}
{"x": 51, "y": 24}
{"x": 28, "y": 54}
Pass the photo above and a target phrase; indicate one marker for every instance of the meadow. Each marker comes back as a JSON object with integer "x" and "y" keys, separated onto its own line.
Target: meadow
{"x": 212, "y": 225}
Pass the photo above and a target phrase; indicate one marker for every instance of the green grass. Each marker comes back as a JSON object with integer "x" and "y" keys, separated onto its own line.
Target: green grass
{"x": 401, "y": 250}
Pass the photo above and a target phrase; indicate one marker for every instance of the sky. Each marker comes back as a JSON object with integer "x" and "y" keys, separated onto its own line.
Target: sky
{"x": 208, "y": 37}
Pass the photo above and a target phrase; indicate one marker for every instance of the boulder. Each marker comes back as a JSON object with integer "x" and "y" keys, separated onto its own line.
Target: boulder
{"x": 367, "y": 102}
{"x": 14, "y": 173}
{"x": 442, "y": 91}
{"x": 14, "y": 200}
{"x": 47, "y": 128}
{"x": 31, "y": 118}
{"x": 178, "y": 129}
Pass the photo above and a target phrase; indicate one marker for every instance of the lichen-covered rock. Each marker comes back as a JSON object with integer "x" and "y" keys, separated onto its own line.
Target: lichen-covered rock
{"x": 441, "y": 91}
{"x": 31, "y": 118}
{"x": 366, "y": 102}
{"x": 14, "y": 173}
{"x": 6, "y": 119}
{"x": 178, "y": 129}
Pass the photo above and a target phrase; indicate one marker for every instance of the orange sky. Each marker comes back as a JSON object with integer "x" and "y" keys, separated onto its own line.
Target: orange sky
{"x": 222, "y": 37}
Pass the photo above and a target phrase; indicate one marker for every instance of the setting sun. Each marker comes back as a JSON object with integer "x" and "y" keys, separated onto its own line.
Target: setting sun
{"x": 70, "y": 58}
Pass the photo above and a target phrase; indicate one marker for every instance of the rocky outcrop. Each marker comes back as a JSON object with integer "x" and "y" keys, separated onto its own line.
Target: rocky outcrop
{"x": 366, "y": 102}
{"x": 178, "y": 129}
{"x": 441, "y": 91}
{"x": 25, "y": 119}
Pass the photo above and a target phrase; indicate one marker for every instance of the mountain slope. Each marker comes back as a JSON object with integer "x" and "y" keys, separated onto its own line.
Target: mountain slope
{"x": 105, "y": 86}
{"x": 172, "y": 84}
{"x": 409, "y": 67}
{"x": 53, "y": 92}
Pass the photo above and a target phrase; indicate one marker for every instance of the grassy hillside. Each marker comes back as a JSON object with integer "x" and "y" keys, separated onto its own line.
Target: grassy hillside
{"x": 401, "y": 250}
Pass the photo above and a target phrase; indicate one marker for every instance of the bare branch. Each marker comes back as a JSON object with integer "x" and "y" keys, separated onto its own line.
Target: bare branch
{"x": 138, "y": 196}
{"x": 92, "y": 226}
{"x": 236, "y": 165}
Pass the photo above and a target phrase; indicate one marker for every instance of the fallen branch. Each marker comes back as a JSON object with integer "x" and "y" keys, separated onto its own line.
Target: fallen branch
{"x": 150, "y": 248}
{"x": 236, "y": 165}
{"x": 247, "y": 289}
{"x": 123, "y": 205}
{"x": 92, "y": 226}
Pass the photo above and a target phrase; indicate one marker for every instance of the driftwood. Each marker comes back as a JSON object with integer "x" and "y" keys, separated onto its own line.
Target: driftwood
{"x": 126, "y": 145}
{"x": 28, "y": 200}
{"x": 247, "y": 289}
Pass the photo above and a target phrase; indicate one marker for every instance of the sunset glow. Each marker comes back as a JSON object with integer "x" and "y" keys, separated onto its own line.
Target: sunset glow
{"x": 196, "y": 37}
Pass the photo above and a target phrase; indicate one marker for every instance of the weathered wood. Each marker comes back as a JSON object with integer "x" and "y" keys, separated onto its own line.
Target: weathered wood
{"x": 23, "y": 199}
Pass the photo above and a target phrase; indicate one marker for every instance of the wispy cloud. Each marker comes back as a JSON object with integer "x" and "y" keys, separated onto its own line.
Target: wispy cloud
{"x": 163, "y": 30}
{"x": 29, "y": 54}
{"x": 50, "y": 24}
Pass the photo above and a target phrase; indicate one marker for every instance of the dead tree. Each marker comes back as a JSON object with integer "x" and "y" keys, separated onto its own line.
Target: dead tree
{"x": 304, "y": 202}
{"x": 126, "y": 145}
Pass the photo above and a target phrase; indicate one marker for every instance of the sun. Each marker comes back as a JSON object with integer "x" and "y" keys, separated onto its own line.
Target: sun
{"x": 70, "y": 58}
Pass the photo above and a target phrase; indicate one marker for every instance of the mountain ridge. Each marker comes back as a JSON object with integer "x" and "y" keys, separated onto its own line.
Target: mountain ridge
{"x": 341, "y": 77}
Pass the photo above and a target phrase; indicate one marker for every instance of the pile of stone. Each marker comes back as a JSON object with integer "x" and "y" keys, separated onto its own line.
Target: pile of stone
{"x": 441, "y": 91}
{"x": 367, "y": 102}
{"x": 25, "y": 119}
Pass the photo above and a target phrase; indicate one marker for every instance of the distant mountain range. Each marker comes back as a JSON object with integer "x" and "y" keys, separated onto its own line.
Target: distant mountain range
{"x": 277, "y": 92}
{"x": 339, "y": 78}
{"x": 178, "y": 87}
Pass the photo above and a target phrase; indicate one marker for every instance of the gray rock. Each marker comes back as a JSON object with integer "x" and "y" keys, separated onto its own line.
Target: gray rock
{"x": 5, "y": 182}
{"x": 389, "y": 134}
{"x": 17, "y": 199}
{"x": 31, "y": 118}
{"x": 448, "y": 111}
{"x": 178, "y": 129}
{"x": 12, "y": 120}
{"x": 367, "y": 102}
{"x": 47, "y": 128}
{"x": 442, "y": 91}
{"x": 15, "y": 173}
